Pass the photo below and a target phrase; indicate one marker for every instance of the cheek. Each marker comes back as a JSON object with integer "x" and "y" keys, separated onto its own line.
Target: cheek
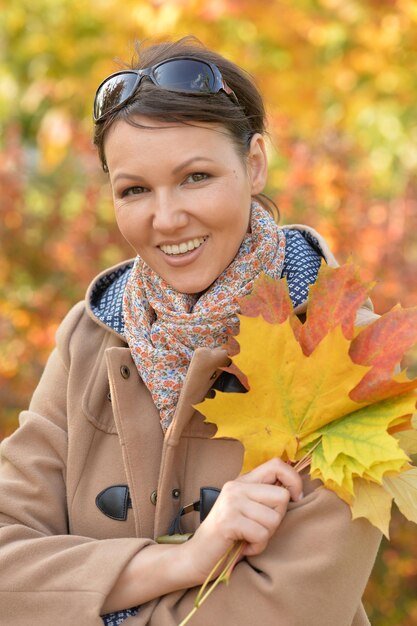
{"x": 232, "y": 232}
{"x": 128, "y": 224}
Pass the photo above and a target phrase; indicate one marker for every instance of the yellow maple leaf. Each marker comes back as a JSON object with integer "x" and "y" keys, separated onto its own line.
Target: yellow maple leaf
{"x": 275, "y": 365}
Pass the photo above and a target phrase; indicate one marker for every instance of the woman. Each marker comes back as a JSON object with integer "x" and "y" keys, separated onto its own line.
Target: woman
{"x": 111, "y": 451}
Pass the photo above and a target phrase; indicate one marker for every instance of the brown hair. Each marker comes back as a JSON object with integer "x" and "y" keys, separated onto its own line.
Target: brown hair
{"x": 242, "y": 120}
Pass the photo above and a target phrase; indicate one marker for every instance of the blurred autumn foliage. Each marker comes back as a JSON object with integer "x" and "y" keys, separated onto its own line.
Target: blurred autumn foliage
{"x": 339, "y": 79}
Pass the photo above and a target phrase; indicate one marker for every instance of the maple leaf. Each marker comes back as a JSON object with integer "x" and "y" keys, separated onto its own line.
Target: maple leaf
{"x": 407, "y": 440}
{"x": 323, "y": 383}
{"x": 347, "y": 292}
{"x": 269, "y": 298}
{"x": 327, "y": 390}
{"x": 382, "y": 346}
{"x": 403, "y": 488}
{"x": 359, "y": 445}
{"x": 372, "y": 502}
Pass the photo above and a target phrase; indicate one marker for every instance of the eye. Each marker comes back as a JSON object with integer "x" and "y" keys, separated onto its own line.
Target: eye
{"x": 133, "y": 191}
{"x": 196, "y": 177}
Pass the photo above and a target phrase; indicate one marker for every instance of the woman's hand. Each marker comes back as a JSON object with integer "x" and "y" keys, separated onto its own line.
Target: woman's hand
{"x": 248, "y": 509}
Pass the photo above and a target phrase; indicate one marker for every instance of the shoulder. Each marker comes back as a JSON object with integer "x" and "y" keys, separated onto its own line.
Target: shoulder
{"x": 76, "y": 330}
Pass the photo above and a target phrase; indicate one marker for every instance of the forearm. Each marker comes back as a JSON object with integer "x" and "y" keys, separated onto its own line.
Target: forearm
{"x": 153, "y": 572}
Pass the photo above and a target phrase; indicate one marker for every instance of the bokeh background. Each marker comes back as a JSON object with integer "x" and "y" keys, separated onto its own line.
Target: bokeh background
{"x": 339, "y": 79}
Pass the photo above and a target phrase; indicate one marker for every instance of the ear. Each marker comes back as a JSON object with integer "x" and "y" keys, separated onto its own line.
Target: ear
{"x": 257, "y": 164}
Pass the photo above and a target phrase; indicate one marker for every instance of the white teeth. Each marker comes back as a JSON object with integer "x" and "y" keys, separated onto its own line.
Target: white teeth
{"x": 185, "y": 246}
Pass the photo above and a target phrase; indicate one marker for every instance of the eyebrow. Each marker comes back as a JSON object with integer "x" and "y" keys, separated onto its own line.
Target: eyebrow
{"x": 176, "y": 169}
{"x": 188, "y": 162}
{"x": 128, "y": 176}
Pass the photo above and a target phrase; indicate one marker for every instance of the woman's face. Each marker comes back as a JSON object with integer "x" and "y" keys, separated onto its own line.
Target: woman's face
{"x": 182, "y": 196}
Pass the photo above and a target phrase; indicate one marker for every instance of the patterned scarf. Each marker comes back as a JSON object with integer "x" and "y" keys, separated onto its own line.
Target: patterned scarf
{"x": 163, "y": 327}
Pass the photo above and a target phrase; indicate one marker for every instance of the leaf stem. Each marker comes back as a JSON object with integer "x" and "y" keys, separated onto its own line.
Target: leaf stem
{"x": 306, "y": 459}
{"x": 224, "y": 576}
{"x": 209, "y": 577}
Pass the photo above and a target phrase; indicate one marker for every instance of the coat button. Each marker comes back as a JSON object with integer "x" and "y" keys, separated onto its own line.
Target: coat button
{"x": 154, "y": 497}
{"x": 176, "y": 493}
{"x": 109, "y": 396}
{"x": 125, "y": 372}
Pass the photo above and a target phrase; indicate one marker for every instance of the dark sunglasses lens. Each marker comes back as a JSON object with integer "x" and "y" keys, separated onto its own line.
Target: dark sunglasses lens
{"x": 115, "y": 91}
{"x": 185, "y": 75}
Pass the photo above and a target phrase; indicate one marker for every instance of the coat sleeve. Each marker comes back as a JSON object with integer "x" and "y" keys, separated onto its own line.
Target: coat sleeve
{"x": 44, "y": 571}
{"x": 314, "y": 571}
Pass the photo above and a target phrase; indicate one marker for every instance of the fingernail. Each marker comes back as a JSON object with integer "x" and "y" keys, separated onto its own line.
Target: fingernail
{"x": 300, "y": 497}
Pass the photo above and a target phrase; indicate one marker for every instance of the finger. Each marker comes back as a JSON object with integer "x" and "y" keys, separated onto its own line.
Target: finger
{"x": 273, "y": 471}
{"x": 268, "y": 517}
{"x": 235, "y": 493}
{"x": 253, "y": 533}
{"x": 272, "y": 496}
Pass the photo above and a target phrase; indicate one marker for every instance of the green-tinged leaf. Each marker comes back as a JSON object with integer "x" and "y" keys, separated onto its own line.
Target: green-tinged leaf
{"x": 372, "y": 502}
{"x": 358, "y": 445}
{"x": 337, "y": 476}
{"x": 403, "y": 489}
{"x": 363, "y": 435}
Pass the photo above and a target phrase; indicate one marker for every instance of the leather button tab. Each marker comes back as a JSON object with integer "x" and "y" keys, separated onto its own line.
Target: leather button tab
{"x": 208, "y": 496}
{"x": 114, "y": 502}
{"x": 125, "y": 372}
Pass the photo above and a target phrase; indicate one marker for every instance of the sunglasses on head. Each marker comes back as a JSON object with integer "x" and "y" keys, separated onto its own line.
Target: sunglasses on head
{"x": 183, "y": 74}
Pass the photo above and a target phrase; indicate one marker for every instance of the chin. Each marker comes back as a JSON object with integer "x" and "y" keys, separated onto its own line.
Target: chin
{"x": 190, "y": 287}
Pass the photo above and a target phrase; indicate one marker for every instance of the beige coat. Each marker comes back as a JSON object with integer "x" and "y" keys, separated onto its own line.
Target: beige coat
{"x": 92, "y": 424}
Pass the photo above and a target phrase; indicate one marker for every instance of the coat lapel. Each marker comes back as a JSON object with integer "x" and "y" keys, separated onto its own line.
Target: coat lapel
{"x": 202, "y": 372}
{"x": 140, "y": 435}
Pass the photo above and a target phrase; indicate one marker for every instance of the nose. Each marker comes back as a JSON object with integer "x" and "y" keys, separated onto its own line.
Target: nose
{"x": 169, "y": 214}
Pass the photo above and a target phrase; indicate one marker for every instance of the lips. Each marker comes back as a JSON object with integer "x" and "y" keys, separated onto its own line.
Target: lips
{"x": 183, "y": 247}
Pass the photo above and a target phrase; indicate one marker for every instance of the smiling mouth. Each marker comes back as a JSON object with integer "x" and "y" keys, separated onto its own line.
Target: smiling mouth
{"x": 184, "y": 247}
